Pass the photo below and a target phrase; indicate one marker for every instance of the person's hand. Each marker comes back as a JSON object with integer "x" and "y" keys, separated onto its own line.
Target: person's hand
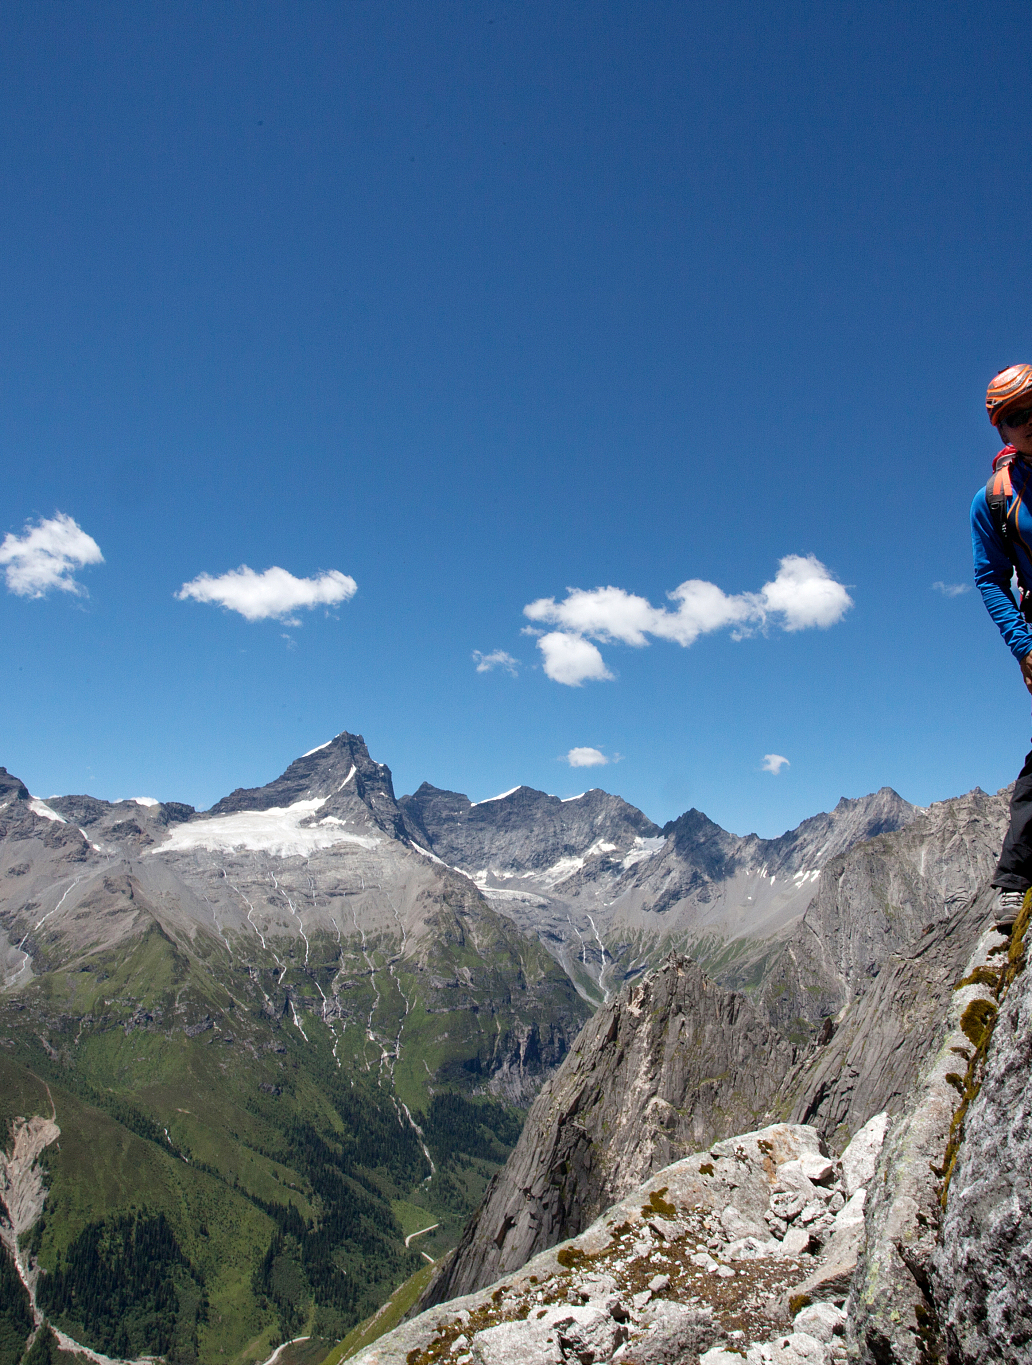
{"x": 1026, "y": 671}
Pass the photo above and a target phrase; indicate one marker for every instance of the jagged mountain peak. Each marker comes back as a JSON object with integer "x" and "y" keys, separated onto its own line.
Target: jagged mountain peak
{"x": 318, "y": 773}
{"x": 523, "y": 830}
{"x": 335, "y": 773}
{"x": 825, "y": 835}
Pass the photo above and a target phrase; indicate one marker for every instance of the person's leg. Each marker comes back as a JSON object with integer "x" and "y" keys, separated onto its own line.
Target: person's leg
{"x": 1014, "y": 870}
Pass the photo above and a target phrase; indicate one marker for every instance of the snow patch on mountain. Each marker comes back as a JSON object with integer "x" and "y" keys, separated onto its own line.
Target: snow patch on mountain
{"x": 39, "y": 807}
{"x": 500, "y": 797}
{"x": 498, "y": 893}
{"x": 317, "y": 748}
{"x": 643, "y": 848}
{"x": 279, "y": 831}
{"x": 427, "y": 854}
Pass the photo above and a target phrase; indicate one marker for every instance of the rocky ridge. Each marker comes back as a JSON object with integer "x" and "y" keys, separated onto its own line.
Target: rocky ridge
{"x": 702, "y": 1262}
{"x": 636, "y": 1092}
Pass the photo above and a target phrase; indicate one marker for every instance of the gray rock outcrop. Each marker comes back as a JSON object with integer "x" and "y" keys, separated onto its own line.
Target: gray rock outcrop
{"x": 894, "y": 1309}
{"x": 673, "y": 1064}
{"x": 983, "y": 1265}
{"x": 660, "y": 1280}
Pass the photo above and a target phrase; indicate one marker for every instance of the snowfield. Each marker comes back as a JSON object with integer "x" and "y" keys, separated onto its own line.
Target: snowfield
{"x": 278, "y": 830}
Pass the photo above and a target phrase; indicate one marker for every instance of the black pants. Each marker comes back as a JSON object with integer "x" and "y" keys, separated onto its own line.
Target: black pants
{"x": 1014, "y": 870}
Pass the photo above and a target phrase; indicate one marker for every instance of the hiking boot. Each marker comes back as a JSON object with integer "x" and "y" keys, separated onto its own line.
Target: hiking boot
{"x": 1008, "y": 908}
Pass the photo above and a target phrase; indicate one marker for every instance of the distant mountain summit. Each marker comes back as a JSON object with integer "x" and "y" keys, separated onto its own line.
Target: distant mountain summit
{"x": 339, "y": 774}
{"x": 524, "y": 830}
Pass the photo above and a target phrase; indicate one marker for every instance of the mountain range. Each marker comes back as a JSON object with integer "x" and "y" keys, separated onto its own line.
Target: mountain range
{"x": 282, "y": 1037}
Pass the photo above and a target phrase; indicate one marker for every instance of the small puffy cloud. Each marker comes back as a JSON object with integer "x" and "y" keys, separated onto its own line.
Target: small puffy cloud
{"x": 773, "y": 763}
{"x": 496, "y": 659}
{"x": 803, "y": 594}
{"x": 571, "y": 659}
{"x": 951, "y": 589}
{"x": 586, "y": 758}
{"x": 46, "y": 556}
{"x": 274, "y": 594}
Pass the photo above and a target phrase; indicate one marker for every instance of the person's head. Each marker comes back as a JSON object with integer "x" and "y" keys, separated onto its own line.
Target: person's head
{"x": 1008, "y": 401}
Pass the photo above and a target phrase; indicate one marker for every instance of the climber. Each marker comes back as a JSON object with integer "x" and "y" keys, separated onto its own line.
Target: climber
{"x": 1001, "y": 537}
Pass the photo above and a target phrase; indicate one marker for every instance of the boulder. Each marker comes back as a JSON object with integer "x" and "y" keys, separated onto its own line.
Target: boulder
{"x": 675, "y": 1333}
{"x": 820, "y": 1320}
{"x": 792, "y": 1179}
{"x": 736, "y": 1225}
{"x": 795, "y": 1241}
{"x": 517, "y": 1343}
{"x": 797, "y": 1348}
{"x": 861, "y": 1156}
{"x": 819, "y": 1170}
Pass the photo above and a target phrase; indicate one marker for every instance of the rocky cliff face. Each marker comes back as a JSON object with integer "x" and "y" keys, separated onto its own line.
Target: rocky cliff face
{"x": 982, "y": 1265}
{"x": 886, "y": 1036}
{"x": 871, "y": 904}
{"x": 673, "y": 1065}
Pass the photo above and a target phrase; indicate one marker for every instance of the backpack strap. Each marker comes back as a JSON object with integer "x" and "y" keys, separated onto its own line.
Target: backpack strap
{"x": 998, "y": 492}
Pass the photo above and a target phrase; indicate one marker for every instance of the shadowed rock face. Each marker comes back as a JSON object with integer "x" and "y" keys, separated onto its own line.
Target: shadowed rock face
{"x": 873, "y": 1060}
{"x": 670, "y": 1067}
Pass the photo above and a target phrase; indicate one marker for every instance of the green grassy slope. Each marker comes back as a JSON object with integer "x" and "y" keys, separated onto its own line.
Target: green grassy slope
{"x": 239, "y": 1161}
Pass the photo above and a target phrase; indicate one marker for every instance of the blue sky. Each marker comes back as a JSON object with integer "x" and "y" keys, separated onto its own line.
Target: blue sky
{"x": 472, "y": 304}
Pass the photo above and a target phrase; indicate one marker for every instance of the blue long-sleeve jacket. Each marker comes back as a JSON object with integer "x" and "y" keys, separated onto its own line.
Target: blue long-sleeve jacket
{"x": 993, "y": 569}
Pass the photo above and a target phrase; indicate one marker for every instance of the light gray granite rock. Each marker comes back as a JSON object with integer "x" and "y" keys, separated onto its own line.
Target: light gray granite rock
{"x": 861, "y": 1156}
{"x": 820, "y": 1320}
{"x": 892, "y": 1306}
{"x": 983, "y": 1268}
{"x": 619, "y": 1277}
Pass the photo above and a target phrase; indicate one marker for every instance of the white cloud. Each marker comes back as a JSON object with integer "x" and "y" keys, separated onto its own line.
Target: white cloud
{"x": 586, "y": 758}
{"x": 47, "y": 555}
{"x": 951, "y": 589}
{"x": 773, "y": 763}
{"x": 274, "y": 594}
{"x": 496, "y": 659}
{"x": 571, "y": 659}
{"x": 802, "y": 594}
{"x": 805, "y": 594}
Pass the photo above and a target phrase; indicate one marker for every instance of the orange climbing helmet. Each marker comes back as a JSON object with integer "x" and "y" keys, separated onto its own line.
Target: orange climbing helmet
{"x": 1008, "y": 389}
